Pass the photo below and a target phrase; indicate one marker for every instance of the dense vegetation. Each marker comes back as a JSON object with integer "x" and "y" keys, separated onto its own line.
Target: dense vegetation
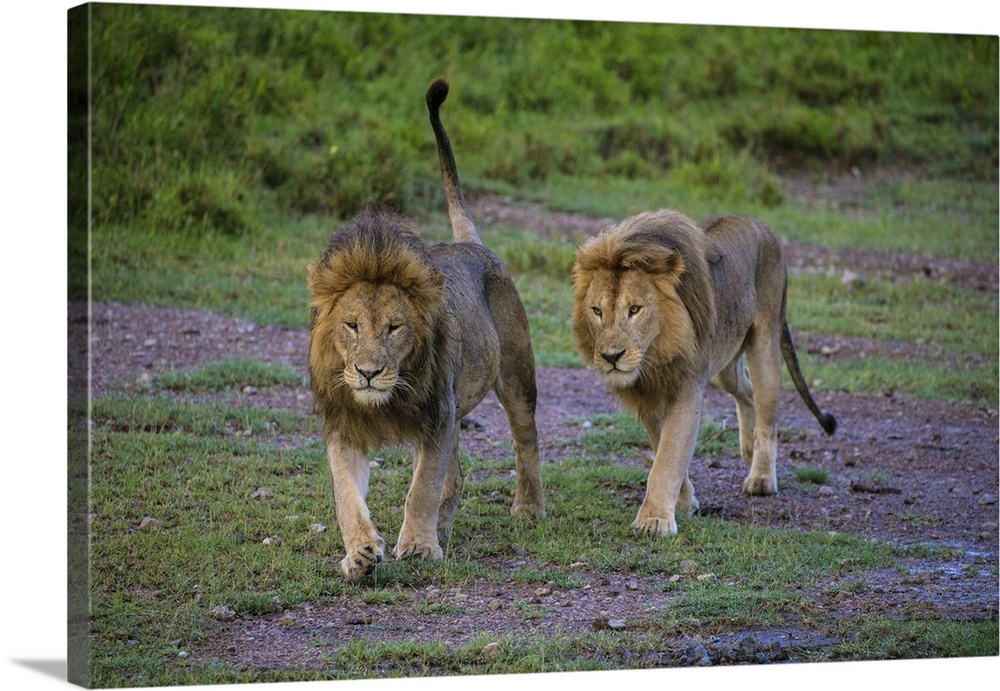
{"x": 203, "y": 118}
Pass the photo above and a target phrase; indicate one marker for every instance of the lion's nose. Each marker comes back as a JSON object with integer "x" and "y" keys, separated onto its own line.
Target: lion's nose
{"x": 612, "y": 358}
{"x": 369, "y": 374}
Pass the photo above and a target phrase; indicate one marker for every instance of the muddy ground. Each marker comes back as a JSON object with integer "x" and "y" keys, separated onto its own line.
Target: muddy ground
{"x": 905, "y": 470}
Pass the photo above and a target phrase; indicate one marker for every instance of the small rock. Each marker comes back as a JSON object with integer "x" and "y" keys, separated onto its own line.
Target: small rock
{"x": 696, "y": 655}
{"x": 850, "y": 279}
{"x": 542, "y": 592}
{"x": 317, "y": 528}
{"x": 261, "y": 492}
{"x": 249, "y": 390}
{"x": 603, "y": 623}
{"x": 631, "y": 585}
{"x": 491, "y": 650}
{"x": 688, "y": 565}
{"x": 183, "y": 653}
{"x": 149, "y": 342}
{"x": 150, "y": 525}
{"x": 706, "y": 576}
{"x": 222, "y": 613}
{"x": 495, "y": 604}
{"x": 988, "y": 499}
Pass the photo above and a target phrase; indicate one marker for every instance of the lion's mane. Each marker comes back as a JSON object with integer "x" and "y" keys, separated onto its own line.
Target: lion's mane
{"x": 379, "y": 247}
{"x": 672, "y": 251}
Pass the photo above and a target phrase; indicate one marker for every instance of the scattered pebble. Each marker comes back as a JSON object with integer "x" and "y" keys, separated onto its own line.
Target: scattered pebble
{"x": 150, "y": 525}
{"x": 603, "y": 623}
{"x": 222, "y": 613}
{"x": 850, "y": 279}
{"x": 491, "y": 650}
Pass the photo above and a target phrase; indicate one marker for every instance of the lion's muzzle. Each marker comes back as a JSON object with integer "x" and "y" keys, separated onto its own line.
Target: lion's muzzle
{"x": 370, "y": 385}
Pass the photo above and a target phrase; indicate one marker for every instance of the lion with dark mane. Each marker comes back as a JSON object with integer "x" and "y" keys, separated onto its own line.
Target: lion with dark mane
{"x": 405, "y": 340}
{"x": 661, "y": 306}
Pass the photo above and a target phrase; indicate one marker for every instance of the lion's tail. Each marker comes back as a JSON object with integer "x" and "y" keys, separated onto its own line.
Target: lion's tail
{"x": 826, "y": 420}
{"x": 462, "y": 226}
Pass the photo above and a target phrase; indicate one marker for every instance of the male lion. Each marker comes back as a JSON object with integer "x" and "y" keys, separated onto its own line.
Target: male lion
{"x": 660, "y": 306}
{"x": 405, "y": 340}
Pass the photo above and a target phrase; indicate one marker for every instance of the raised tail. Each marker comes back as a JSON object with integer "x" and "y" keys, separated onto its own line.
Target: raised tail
{"x": 462, "y": 226}
{"x": 826, "y": 420}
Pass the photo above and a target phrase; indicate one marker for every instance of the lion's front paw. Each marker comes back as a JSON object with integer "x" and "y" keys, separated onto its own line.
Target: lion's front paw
{"x": 760, "y": 486}
{"x": 360, "y": 560}
{"x": 420, "y": 548}
{"x": 654, "y": 525}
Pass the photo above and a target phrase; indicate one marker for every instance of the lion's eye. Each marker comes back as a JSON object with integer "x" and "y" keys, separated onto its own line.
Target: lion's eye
{"x": 393, "y": 328}
{"x": 597, "y": 311}
{"x": 353, "y": 326}
{"x": 634, "y": 310}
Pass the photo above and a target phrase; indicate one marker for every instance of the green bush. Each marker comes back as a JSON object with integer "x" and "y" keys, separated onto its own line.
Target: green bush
{"x": 203, "y": 116}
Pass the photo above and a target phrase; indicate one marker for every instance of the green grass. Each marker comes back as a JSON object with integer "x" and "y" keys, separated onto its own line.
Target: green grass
{"x": 623, "y": 435}
{"x": 907, "y": 640}
{"x": 956, "y": 320}
{"x": 816, "y": 476}
{"x": 228, "y": 374}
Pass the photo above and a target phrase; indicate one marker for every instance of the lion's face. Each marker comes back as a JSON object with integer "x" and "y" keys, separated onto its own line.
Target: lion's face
{"x": 622, "y": 315}
{"x": 371, "y": 328}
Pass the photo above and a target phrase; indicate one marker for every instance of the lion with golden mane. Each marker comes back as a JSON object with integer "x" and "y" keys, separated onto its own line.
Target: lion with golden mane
{"x": 405, "y": 340}
{"x": 661, "y": 306}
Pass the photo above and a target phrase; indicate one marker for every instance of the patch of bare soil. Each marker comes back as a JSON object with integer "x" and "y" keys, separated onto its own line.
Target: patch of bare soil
{"x": 903, "y": 470}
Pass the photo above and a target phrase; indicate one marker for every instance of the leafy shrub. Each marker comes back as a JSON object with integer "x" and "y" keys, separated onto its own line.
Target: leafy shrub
{"x": 196, "y": 111}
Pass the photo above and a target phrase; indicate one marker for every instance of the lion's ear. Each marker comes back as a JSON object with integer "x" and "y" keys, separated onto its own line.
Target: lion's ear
{"x": 324, "y": 283}
{"x": 425, "y": 289}
{"x": 663, "y": 262}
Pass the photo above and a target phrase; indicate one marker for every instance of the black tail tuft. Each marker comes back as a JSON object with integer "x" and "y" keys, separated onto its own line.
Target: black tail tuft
{"x": 828, "y": 422}
{"x": 436, "y": 93}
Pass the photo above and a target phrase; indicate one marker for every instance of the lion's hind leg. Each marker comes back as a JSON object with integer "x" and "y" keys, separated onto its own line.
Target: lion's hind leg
{"x": 736, "y": 382}
{"x": 451, "y": 497}
{"x": 517, "y": 391}
{"x": 529, "y": 500}
{"x": 764, "y": 358}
